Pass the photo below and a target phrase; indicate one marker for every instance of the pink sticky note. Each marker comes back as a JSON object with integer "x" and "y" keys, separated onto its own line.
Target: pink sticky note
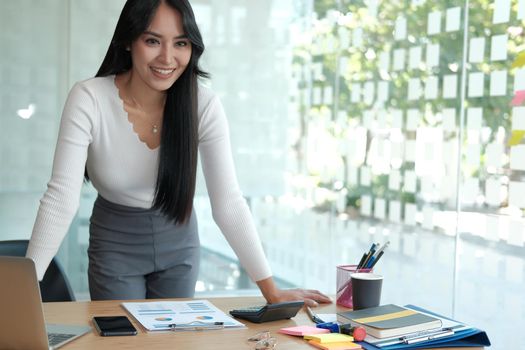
{"x": 303, "y": 330}
{"x": 519, "y": 97}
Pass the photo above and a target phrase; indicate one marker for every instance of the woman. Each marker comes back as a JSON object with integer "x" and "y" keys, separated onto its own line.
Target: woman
{"x": 137, "y": 128}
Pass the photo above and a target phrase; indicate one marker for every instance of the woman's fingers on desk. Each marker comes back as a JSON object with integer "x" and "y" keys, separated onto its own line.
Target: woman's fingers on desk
{"x": 315, "y": 297}
{"x": 311, "y": 297}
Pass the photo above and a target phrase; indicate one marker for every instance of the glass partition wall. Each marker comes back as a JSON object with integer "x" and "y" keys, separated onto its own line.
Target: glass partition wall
{"x": 352, "y": 122}
{"x": 408, "y": 134}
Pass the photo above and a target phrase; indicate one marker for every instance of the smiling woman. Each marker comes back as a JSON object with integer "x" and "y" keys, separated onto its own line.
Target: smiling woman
{"x": 160, "y": 56}
{"x": 137, "y": 128}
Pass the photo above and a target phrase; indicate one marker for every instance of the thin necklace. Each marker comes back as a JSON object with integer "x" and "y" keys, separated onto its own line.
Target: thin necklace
{"x": 154, "y": 126}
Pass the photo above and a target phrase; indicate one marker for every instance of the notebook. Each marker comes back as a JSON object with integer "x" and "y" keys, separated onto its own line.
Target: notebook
{"x": 22, "y": 318}
{"x": 389, "y": 320}
{"x": 464, "y": 336}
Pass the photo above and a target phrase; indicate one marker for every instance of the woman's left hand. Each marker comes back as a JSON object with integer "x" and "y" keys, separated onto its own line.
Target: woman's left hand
{"x": 310, "y": 297}
{"x": 273, "y": 295}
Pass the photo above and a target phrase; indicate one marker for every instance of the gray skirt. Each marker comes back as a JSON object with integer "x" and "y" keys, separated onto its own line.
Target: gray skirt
{"x": 137, "y": 253}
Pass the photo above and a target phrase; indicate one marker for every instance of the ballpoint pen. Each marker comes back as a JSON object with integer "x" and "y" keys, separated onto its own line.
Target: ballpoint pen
{"x": 445, "y": 332}
{"x": 375, "y": 260}
{"x": 369, "y": 255}
{"x": 425, "y": 333}
{"x": 370, "y": 262}
{"x": 362, "y": 260}
{"x": 419, "y": 336}
{"x": 196, "y": 326}
{"x": 313, "y": 316}
{"x": 380, "y": 250}
{"x": 377, "y": 254}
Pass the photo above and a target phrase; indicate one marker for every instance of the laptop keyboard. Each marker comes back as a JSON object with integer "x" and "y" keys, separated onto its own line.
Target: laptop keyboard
{"x": 57, "y": 338}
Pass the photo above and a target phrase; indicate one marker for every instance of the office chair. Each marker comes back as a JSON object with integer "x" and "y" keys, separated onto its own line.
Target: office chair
{"x": 54, "y": 286}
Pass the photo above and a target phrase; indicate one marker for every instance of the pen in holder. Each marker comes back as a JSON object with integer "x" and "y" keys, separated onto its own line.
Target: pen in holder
{"x": 344, "y": 284}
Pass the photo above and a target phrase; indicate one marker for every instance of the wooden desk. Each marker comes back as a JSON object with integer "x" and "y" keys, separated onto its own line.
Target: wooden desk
{"x": 231, "y": 339}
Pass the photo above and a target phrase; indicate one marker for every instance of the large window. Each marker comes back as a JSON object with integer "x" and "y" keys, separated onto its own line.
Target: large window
{"x": 409, "y": 135}
{"x": 352, "y": 122}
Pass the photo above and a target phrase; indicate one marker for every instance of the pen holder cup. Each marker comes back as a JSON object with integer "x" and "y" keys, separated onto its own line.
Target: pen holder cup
{"x": 344, "y": 284}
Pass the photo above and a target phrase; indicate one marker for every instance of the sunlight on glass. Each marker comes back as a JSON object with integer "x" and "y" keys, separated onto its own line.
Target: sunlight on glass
{"x": 26, "y": 113}
{"x": 200, "y": 286}
{"x": 453, "y": 67}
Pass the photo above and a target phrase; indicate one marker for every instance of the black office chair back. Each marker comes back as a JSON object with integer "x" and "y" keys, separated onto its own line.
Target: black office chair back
{"x": 54, "y": 286}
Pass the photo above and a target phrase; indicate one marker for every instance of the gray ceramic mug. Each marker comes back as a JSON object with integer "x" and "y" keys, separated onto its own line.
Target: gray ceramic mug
{"x": 366, "y": 290}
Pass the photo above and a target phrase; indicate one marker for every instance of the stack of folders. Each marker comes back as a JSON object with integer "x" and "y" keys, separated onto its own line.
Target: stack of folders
{"x": 392, "y": 327}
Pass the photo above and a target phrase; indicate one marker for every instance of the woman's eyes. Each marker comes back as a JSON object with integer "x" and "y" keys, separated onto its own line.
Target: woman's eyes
{"x": 152, "y": 41}
{"x": 179, "y": 43}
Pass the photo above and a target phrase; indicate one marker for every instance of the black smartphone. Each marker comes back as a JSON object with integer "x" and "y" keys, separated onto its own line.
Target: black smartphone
{"x": 113, "y": 325}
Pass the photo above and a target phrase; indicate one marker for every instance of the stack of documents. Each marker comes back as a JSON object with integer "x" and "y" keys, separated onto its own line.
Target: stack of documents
{"x": 170, "y": 315}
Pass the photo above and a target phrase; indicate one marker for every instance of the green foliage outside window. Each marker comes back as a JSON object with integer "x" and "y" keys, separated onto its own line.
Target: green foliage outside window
{"x": 362, "y": 64}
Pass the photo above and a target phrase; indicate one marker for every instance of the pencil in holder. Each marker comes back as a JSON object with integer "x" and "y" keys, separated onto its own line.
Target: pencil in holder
{"x": 344, "y": 284}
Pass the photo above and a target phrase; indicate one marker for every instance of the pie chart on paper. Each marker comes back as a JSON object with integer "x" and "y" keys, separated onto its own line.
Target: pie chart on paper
{"x": 163, "y": 319}
{"x": 204, "y": 318}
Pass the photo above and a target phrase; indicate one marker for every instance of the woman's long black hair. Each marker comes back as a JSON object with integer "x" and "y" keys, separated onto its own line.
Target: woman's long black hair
{"x": 175, "y": 187}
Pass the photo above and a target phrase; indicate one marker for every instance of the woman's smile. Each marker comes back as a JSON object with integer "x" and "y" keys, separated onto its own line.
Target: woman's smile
{"x": 163, "y": 73}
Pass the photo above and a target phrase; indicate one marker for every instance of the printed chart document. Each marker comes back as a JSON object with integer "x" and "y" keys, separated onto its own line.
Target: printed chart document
{"x": 160, "y": 315}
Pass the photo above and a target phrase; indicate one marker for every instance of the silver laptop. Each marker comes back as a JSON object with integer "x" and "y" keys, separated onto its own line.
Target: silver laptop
{"x": 21, "y": 316}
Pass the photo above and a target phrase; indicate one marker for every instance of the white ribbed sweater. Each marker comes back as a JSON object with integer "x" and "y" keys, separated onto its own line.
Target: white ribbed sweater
{"x": 95, "y": 132}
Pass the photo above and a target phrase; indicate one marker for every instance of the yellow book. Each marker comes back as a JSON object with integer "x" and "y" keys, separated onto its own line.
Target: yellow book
{"x": 329, "y": 338}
